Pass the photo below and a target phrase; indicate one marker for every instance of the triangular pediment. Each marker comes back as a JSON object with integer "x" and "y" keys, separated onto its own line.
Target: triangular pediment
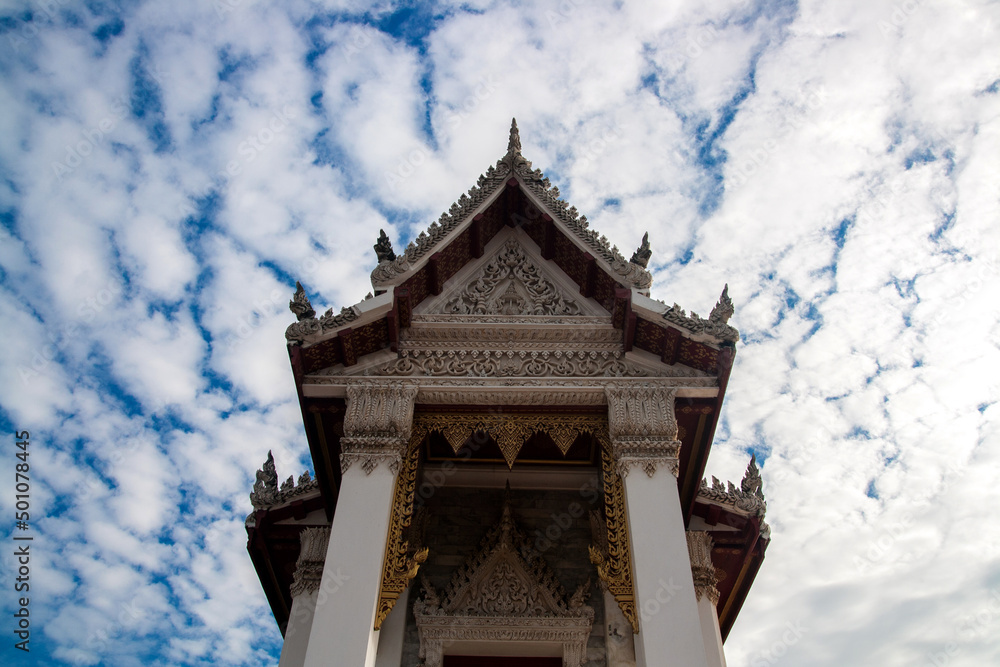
{"x": 511, "y": 280}
{"x": 506, "y": 578}
{"x": 512, "y": 170}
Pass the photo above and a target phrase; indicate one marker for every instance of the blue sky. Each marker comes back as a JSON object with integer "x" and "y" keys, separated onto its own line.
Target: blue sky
{"x": 168, "y": 170}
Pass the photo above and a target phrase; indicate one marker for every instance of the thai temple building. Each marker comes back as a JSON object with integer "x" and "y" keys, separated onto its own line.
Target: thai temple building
{"x": 509, "y": 439}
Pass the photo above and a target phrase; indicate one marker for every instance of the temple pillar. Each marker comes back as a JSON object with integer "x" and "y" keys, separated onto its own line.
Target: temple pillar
{"x": 643, "y": 432}
{"x": 703, "y": 573}
{"x": 377, "y": 429}
{"x": 305, "y": 587}
{"x": 391, "y": 636}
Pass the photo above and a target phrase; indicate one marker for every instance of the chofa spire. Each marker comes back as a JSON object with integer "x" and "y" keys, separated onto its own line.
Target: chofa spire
{"x": 514, "y": 143}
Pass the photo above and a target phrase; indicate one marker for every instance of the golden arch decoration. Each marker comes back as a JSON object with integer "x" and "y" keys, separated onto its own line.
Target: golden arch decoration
{"x": 611, "y": 556}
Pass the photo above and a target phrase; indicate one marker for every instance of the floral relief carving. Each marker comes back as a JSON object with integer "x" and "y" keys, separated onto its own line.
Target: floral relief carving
{"x": 510, "y": 284}
{"x": 309, "y": 566}
{"x": 511, "y": 363}
{"x": 643, "y": 427}
{"x": 504, "y": 592}
{"x": 702, "y": 570}
{"x": 377, "y": 425}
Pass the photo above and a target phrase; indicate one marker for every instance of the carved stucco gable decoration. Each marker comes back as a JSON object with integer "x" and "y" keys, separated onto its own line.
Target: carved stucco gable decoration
{"x": 702, "y": 570}
{"x": 267, "y": 494}
{"x": 716, "y": 326}
{"x": 510, "y": 284}
{"x": 504, "y": 592}
{"x": 633, "y": 275}
{"x": 747, "y": 500}
{"x": 377, "y": 425}
{"x": 643, "y": 427}
{"x": 313, "y": 543}
{"x": 510, "y": 363}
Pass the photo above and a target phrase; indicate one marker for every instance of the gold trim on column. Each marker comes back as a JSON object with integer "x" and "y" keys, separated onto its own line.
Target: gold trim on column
{"x": 613, "y": 557}
{"x": 398, "y": 566}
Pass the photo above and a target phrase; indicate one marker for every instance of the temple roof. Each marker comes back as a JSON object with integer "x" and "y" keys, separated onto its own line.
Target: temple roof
{"x": 563, "y": 234}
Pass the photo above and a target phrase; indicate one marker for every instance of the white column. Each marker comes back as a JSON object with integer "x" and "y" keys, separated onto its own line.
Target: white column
{"x": 643, "y": 432}
{"x": 308, "y": 574}
{"x": 293, "y": 651}
{"x": 343, "y": 625}
{"x": 618, "y": 638}
{"x": 390, "y": 641}
{"x": 376, "y": 431}
{"x": 669, "y": 626}
{"x": 711, "y": 634}
{"x": 703, "y": 573}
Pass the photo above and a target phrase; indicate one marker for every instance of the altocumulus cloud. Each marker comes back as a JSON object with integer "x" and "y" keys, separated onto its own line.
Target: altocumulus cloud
{"x": 169, "y": 170}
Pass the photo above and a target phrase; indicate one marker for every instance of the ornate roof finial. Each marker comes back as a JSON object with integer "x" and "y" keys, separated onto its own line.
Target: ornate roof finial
{"x": 300, "y": 304}
{"x": 642, "y": 254}
{"x": 383, "y": 248}
{"x": 514, "y": 144}
{"x": 752, "y": 483}
{"x": 723, "y": 309}
{"x": 265, "y": 489}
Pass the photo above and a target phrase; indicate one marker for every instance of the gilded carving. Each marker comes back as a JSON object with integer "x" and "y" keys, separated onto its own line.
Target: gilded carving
{"x": 511, "y": 431}
{"x": 400, "y": 562}
{"x": 612, "y": 552}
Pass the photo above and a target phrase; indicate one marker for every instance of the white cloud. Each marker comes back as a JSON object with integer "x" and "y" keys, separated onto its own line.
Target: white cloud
{"x": 849, "y": 200}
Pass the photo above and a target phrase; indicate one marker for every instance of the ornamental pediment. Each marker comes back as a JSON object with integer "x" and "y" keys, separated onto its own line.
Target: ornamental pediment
{"x": 511, "y": 281}
{"x": 504, "y": 592}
